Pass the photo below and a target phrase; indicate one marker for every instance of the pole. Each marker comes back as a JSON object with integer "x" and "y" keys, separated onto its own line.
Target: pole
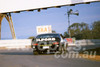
{"x": 70, "y": 12}
{"x": 69, "y": 25}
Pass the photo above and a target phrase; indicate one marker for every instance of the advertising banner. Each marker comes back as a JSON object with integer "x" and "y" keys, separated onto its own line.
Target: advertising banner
{"x": 44, "y": 29}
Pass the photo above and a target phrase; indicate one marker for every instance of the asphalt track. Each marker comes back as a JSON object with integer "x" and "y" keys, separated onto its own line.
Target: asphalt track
{"x": 25, "y": 58}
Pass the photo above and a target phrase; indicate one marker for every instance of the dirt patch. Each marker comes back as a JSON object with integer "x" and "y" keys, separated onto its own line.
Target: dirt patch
{"x": 95, "y": 58}
{"x": 3, "y": 48}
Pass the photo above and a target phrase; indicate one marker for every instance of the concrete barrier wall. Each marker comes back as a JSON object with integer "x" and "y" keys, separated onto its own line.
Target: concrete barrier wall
{"x": 89, "y": 44}
{"x": 17, "y": 43}
{"x": 23, "y": 43}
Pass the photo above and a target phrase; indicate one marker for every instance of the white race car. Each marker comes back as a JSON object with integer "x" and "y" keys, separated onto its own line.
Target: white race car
{"x": 50, "y": 42}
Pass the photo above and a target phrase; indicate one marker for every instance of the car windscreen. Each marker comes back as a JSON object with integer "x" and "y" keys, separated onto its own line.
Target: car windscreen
{"x": 48, "y": 36}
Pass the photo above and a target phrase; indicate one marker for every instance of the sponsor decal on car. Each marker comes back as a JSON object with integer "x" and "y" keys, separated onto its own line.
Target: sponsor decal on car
{"x": 46, "y": 39}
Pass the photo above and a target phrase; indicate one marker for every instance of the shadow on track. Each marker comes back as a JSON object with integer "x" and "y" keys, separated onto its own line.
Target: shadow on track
{"x": 19, "y": 52}
{"x": 16, "y": 53}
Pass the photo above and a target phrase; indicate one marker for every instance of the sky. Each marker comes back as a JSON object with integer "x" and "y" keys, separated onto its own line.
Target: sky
{"x": 25, "y": 22}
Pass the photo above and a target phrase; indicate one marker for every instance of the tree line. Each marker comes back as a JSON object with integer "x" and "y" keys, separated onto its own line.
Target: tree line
{"x": 84, "y": 30}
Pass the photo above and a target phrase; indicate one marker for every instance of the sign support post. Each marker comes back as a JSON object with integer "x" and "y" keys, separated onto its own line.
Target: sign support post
{"x": 1, "y": 18}
{"x": 9, "y": 19}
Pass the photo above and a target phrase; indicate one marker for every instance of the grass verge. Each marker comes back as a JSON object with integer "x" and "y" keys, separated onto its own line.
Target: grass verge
{"x": 91, "y": 55}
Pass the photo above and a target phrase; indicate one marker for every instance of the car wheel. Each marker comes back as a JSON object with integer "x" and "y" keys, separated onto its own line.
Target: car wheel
{"x": 35, "y": 52}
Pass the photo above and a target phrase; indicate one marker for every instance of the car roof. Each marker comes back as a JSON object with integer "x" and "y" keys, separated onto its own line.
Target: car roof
{"x": 47, "y": 33}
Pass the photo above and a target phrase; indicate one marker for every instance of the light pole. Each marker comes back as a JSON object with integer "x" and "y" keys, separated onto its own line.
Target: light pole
{"x": 70, "y": 12}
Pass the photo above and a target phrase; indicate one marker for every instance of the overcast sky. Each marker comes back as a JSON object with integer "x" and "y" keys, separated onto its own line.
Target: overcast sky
{"x": 25, "y": 22}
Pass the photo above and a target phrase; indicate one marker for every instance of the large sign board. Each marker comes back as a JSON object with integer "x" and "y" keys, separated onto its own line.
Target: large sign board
{"x": 44, "y": 29}
{"x": 23, "y": 5}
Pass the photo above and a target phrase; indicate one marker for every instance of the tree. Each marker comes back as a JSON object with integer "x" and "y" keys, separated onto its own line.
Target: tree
{"x": 53, "y": 31}
{"x": 85, "y": 30}
{"x": 80, "y": 31}
{"x": 31, "y": 37}
{"x": 66, "y": 34}
{"x": 96, "y": 30}
{"x": 75, "y": 30}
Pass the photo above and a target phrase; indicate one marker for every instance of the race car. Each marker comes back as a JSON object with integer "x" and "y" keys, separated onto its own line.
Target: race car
{"x": 48, "y": 43}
